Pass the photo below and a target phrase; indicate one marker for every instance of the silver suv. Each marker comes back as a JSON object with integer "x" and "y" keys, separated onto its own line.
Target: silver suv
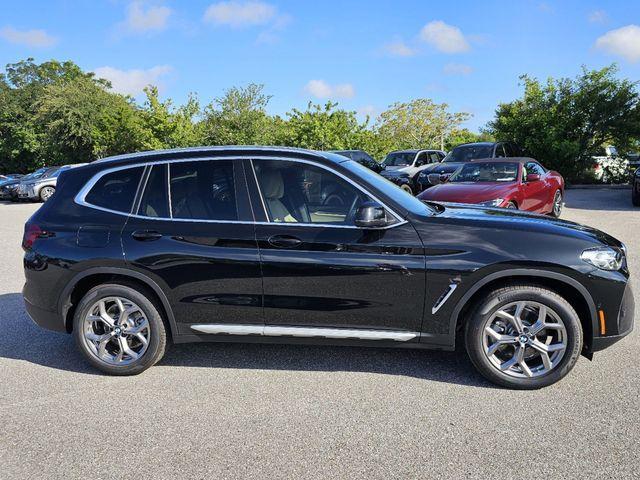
{"x": 41, "y": 189}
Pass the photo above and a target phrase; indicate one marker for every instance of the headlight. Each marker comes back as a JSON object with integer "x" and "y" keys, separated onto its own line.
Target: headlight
{"x": 496, "y": 202}
{"x": 604, "y": 258}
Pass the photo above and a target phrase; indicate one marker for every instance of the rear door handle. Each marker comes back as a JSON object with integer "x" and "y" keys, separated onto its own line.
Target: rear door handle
{"x": 146, "y": 235}
{"x": 284, "y": 241}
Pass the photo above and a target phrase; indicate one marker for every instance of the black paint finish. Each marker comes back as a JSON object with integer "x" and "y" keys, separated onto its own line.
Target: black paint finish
{"x": 251, "y": 271}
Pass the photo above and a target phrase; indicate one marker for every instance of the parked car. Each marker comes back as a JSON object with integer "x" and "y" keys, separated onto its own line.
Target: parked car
{"x": 465, "y": 153}
{"x": 232, "y": 243}
{"x": 402, "y": 167}
{"x": 635, "y": 190}
{"x": 43, "y": 187}
{"x": 10, "y": 176}
{"x": 518, "y": 183}
{"x": 362, "y": 157}
{"x": 9, "y": 188}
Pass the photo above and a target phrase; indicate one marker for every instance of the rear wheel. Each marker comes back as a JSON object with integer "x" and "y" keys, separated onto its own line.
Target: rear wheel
{"x": 523, "y": 337}
{"x": 119, "y": 330}
{"x": 512, "y": 205}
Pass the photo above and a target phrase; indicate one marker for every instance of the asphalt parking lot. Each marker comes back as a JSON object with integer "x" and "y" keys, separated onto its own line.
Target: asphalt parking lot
{"x": 272, "y": 411}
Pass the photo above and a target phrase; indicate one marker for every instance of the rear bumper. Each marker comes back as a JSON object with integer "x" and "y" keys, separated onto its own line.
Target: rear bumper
{"x": 44, "y": 318}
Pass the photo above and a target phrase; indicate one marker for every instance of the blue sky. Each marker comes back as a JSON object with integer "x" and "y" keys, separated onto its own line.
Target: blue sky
{"x": 363, "y": 54}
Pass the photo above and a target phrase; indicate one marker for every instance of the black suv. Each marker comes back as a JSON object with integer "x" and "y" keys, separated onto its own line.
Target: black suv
{"x": 465, "y": 153}
{"x": 238, "y": 243}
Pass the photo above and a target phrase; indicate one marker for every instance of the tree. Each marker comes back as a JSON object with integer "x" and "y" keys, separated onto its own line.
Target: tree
{"x": 420, "y": 123}
{"x": 169, "y": 127}
{"x": 564, "y": 122}
{"x": 238, "y": 117}
{"x": 324, "y": 127}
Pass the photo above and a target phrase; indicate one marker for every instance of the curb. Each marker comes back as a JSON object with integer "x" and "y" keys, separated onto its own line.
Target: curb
{"x": 617, "y": 186}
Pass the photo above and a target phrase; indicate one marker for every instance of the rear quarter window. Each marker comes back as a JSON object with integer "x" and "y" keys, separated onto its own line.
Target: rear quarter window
{"x": 116, "y": 190}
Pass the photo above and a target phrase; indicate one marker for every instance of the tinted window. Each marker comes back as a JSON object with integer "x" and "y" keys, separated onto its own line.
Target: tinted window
{"x": 434, "y": 157}
{"x": 533, "y": 167}
{"x": 508, "y": 150}
{"x": 464, "y": 153}
{"x": 499, "y": 151}
{"x": 421, "y": 159}
{"x": 399, "y": 159}
{"x": 486, "y": 172}
{"x": 203, "y": 190}
{"x": 295, "y": 192}
{"x": 116, "y": 190}
{"x": 155, "y": 201}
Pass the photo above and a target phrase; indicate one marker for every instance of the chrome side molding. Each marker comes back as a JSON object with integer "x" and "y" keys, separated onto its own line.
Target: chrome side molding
{"x": 307, "y": 332}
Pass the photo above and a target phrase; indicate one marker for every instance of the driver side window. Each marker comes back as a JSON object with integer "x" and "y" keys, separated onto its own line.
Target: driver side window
{"x": 295, "y": 192}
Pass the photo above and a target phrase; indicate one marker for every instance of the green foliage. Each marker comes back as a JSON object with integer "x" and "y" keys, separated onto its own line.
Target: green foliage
{"x": 564, "y": 122}
{"x": 54, "y": 113}
{"x": 420, "y": 123}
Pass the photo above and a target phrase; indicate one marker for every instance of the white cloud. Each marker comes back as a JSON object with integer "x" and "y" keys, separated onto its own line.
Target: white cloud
{"x": 241, "y": 14}
{"x": 598, "y": 16}
{"x": 444, "y": 38}
{"x": 140, "y": 19}
{"x": 399, "y": 49}
{"x": 457, "y": 69}
{"x": 321, "y": 89}
{"x": 30, "y": 38}
{"x": 624, "y": 42}
{"x": 131, "y": 82}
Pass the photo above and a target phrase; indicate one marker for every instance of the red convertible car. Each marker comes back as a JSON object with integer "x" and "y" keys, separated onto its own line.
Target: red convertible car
{"x": 520, "y": 183}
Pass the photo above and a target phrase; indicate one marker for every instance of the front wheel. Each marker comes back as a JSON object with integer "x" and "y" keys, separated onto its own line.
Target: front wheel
{"x": 556, "y": 210}
{"x": 407, "y": 189}
{"x": 119, "y": 330}
{"x": 46, "y": 193}
{"x": 523, "y": 337}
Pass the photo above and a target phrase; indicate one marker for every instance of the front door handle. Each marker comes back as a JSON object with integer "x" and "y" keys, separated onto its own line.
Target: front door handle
{"x": 146, "y": 235}
{"x": 284, "y": 241}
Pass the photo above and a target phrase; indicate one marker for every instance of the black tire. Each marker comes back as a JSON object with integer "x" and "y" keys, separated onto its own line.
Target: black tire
{"x": 512, "y": 206}
{"x": 158, "y": 336}
{"x": 407, "y": 188}
{"x": 635, "y": 196}
{"x": 556, "y": 212}
{"x": 46, "y": 193}
{"x": 484, "y": 310}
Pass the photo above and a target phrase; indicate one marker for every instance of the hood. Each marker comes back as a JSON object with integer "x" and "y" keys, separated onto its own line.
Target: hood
{"x": 395, "y": 170}
{"x": 503, "y": 218}
{"x": 9, "y": 183}
{"x": 468, "y": 192}
{"x": 442, "y": 167}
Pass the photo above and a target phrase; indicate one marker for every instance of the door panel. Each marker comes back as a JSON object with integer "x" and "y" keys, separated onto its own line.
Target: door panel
{"x": 318, "y": 269}
{"x": 209, "y": 269}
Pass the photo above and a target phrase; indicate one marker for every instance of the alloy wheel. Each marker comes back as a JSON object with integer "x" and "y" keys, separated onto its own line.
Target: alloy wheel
{"x": 46, "y": 193}
{"x": 557, "y": 203}
{"x": 524, "y": 339}
{"x": 116, "y": 331}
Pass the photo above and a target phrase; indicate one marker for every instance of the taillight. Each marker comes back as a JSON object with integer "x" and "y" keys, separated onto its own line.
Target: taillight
{"x": 31, "y": 233}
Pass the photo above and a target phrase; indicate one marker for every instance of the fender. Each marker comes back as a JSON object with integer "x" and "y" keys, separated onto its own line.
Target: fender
{"x": 63, "y": 303}
{"x": 522, "y": 272}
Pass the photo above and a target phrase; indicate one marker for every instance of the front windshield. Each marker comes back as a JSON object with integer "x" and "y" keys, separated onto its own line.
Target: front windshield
{"x": 486, "y": 172}
{"x": 465, "y": 153}
{"x": 390, "y": 189}
{"x": 399, "y": 159}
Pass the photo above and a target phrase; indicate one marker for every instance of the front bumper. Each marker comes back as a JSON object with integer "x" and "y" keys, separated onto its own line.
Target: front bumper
{"x": 625, "y": 322}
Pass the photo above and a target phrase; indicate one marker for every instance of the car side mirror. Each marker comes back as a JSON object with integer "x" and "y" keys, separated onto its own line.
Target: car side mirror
{"x": 371, "y": 215}
{"x": 533, "y": 177}
{"x": 436, "y": 178}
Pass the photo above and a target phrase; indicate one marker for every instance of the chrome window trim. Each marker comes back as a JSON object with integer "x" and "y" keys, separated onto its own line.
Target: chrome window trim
{"x": 80, "y": 197}
{"x": 305, "y": 332}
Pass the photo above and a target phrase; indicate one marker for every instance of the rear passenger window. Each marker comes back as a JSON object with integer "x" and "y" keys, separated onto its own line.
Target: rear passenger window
{"x": 203, "y": 190}
{"x": 155, "y": 202}
{"x": 116, "y": 190}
